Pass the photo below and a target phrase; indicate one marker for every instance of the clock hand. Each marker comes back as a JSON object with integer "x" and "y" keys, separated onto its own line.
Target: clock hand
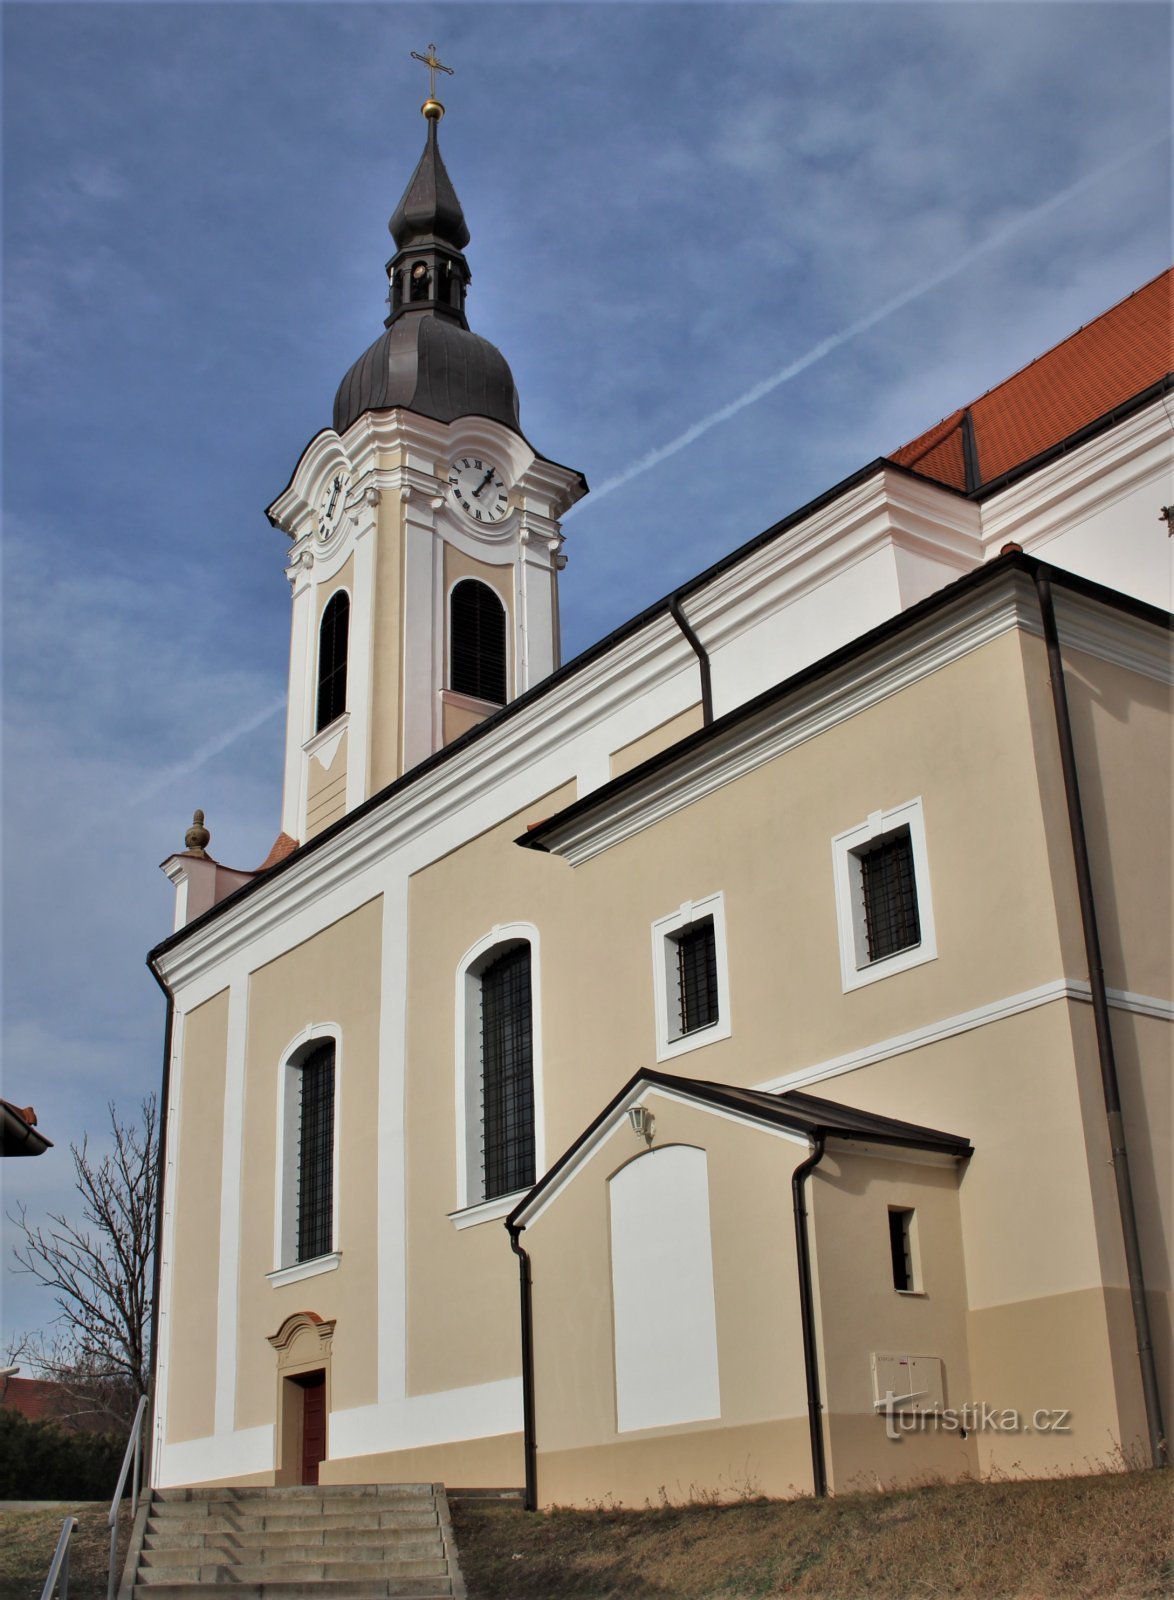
{"x": 481, "y": 485}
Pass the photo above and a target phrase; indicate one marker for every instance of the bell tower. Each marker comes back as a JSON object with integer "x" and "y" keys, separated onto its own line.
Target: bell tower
{"x": 424, "y": 527}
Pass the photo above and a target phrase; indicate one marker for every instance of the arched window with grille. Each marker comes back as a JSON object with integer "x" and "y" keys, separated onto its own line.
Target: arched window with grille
{"x": 332, "y": 657}
{"x": 499, "y": 1066}
{"x": 477, "y": 642}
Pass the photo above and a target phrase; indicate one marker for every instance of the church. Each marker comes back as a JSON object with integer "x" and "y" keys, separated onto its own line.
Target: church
{"x": 733, "y": 1061}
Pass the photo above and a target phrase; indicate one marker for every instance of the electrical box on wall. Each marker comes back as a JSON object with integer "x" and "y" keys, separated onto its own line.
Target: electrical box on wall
{"x": 913, "y": 1382}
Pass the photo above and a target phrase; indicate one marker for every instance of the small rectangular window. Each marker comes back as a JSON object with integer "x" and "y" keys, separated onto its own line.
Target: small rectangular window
{"x": 696, "y": 976}
{"x": 889, "y": 890}
{"x": 901, "y": 1248}
{"x": 316, "y": 1156}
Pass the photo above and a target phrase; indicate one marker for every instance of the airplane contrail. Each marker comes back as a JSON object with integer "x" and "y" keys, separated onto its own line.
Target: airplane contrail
{"x": 984, "y": 247}
{"x": 201, "y": 756}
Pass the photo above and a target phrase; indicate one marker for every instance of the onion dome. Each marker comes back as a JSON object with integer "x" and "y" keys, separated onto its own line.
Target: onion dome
{"x": 428, "y": 360}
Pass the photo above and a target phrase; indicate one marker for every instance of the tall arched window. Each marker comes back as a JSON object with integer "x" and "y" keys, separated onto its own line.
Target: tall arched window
{"x": 477, "y": 649}
{"x": 332, "y": 648}
{"x": 499, "y": 1094}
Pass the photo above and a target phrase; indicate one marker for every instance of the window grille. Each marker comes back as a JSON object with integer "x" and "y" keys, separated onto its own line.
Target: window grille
{"x": 477, "y": 642}
{"x": 507, "y": 1068}
{"x": 697, "y": 975}
{"x": 891, "y": 921}
{"x": 332, "y": 657}
{"x": 316, "y": 1155}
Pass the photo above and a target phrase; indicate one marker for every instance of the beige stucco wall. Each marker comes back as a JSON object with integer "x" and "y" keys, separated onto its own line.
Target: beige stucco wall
{"x": 326, "y": 790}
{"x": 657, "y": 739}
{"x": 581, "y": 1453}
{"x": 452, "y": 904}
{"x": 861, "y": 1312}
{"x": 195, "y": 1201}
{"x": 331, "y": 978}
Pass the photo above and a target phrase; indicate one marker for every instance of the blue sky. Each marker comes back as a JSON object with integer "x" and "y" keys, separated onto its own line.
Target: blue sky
{"x": 670, "y": 206}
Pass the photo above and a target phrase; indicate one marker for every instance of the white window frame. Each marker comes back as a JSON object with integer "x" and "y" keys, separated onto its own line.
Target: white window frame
{"x": 286, "y": 1267}
{"x": 856, "y": 969}
{"x": 472, "y": 1207}
{"x": 670, "y": 1042}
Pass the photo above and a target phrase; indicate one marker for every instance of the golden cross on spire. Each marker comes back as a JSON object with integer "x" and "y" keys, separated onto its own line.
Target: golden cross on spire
{"x": 434, "y": 64}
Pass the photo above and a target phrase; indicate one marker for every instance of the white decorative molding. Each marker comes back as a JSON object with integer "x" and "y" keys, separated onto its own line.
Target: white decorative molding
{"x": 1081, "y": 482}
{"x": 856, "y": 969}
{"x": 287, "y": 1147}
{"x": 304, "y": 1269}
{"x": 485, "y": 1211}
{"x": 670, "y": 1040}
{"x": 963, "y": 1022}
{"x": 323, "y": 745}
{"x": 811, "y": 709}
{"x": 223, "y": 1455}
{"x": 467, "y": 1084}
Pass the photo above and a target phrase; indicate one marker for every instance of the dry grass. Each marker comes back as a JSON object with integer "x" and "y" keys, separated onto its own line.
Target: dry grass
{"x": 28, "y": 1538}
{"x": 1071, "y": 1539}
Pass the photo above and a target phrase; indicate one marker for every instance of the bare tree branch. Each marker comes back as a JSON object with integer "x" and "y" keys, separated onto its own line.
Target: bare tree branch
{"x": 100, "y": 1272}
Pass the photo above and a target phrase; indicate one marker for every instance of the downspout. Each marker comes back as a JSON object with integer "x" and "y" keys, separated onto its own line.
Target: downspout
{"x": 682, "y": 622}
{"x": 157, "y": 1265}
{"x": 529, "y": 1437}
{"x": 807, "y": 1312}
{"x": 1159, "y": 1446}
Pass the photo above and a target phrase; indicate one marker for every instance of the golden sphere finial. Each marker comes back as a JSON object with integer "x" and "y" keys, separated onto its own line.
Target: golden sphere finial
{"x": 432, "y": 108}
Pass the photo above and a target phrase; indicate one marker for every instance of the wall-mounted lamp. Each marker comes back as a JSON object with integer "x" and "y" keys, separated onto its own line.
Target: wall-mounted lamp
{"x": 643, "y": 1122}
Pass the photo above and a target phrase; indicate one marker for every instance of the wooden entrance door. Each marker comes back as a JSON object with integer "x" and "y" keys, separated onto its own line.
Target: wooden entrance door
{"x": 313, "y": 1387}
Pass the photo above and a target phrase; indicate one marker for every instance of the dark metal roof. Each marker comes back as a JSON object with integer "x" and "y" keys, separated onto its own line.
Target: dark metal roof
{"x": 430, "y": 365}
{"x": 429, "y": 208}
{"x": 18, "y": 1132}
{"x": 805, "y": 1114}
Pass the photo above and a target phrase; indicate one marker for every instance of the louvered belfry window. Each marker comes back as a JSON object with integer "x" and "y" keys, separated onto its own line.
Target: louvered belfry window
{"x": 332, "y": 649}
{"x": 477, "y": 645}
{"x": 697, "y": 975}
{"x": 891, "y": 922}
{"x": 316, "y": 1155}
{"x": 507, "y": 1073}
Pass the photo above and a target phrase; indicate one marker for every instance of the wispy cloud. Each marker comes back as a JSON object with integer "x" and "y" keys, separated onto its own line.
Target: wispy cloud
{"x": 987, "y": 246}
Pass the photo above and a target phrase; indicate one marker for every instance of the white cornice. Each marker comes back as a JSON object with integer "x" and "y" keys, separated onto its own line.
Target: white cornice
{"x": 893, "y": 665}
{"x": 1081, "y": 482}
{"x": 887, "y": 509}
{"x": 888, "y": 668}
{"x": 635, "y": 666}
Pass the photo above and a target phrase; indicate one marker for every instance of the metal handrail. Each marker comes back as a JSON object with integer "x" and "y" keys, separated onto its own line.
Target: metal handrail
{"x": 134, "y": 1451}
{"x": 59, "y": 1566}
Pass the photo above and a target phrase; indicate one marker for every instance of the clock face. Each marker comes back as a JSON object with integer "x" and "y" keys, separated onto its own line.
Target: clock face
{"x": 331, "y": 503}
{"x": 476, "y": 485}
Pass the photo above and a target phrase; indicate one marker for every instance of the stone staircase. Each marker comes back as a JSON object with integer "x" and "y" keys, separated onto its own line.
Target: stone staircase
{"x": 337, "y": 1540}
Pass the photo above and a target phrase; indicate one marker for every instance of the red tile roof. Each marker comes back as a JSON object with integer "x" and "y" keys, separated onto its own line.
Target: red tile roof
{"x": 283, "y": 846}
{"x": 1099, "y": 367}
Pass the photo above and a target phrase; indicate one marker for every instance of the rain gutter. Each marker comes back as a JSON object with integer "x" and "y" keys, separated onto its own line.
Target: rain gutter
{"x": 1119, "y": 1154}
{"x": 682, "y": 622}
{"x": 807, "y": 1313}
{"x": 529, "y": 1434}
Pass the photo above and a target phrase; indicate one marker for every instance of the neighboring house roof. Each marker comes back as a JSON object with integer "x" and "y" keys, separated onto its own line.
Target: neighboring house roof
{"x": 1076, "y": 385}
{"x": 18, "y": 1132}
{"x": 804, "y": 1114}
{"x": 40, "y": 1400}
